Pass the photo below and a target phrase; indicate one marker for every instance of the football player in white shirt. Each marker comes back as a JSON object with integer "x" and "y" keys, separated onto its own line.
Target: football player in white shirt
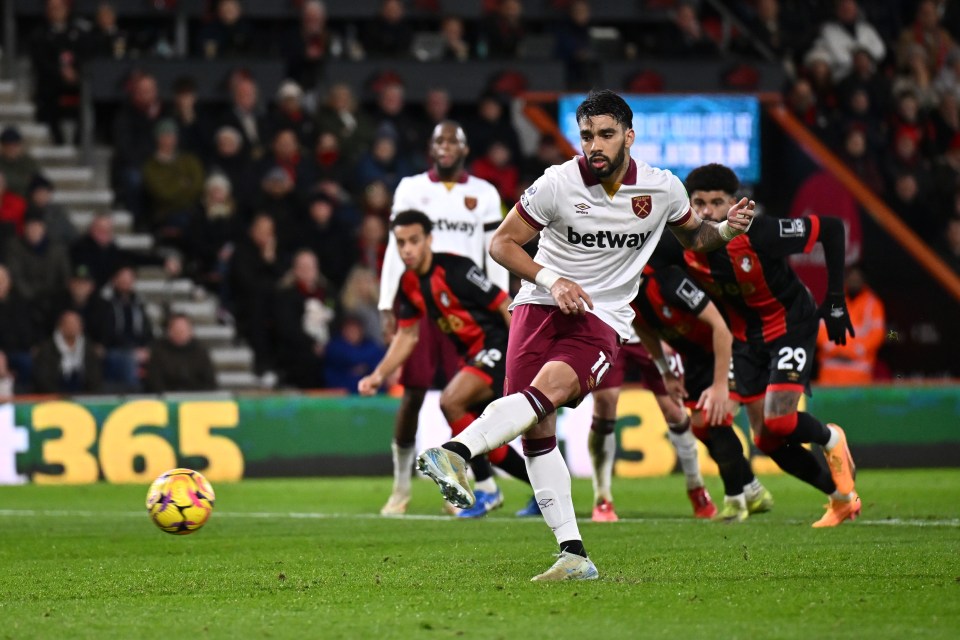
{"x": 599, "y": 217}
{"x": 465, "y": 212}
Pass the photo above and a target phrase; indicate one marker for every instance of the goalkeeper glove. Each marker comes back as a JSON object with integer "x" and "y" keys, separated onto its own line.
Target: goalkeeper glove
{"x": 836, "y": 318}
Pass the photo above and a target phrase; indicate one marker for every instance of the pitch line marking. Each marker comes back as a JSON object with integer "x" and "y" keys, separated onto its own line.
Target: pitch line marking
{"x": 316, "y": 515}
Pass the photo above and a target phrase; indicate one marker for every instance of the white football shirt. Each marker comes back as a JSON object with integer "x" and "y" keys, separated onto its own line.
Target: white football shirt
{"x": 600, "y": 242}
{"x": 464, "y": 213}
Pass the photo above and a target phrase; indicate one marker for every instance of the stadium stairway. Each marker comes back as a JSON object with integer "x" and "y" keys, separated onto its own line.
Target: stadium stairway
{"x": 84, "y": 191}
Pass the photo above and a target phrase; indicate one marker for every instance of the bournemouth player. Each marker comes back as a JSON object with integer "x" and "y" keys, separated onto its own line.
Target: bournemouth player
{"x": 598, "y": 216}
{"x": 774, "y": 321}
{"x": 465, "y": 211}
{"x": 451, "y": 292}
{"x": 602, "y": 439}
{"x": 671, "y": 307}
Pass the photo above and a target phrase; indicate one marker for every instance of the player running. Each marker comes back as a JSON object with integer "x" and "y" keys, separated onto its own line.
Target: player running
{"x": 671, "y": 307}
{"x": 457, "y": 297}
{"x": 465, "y": 211}
{"x": 774, "y": 321}
{"x": 602, "y": 439}
{"x": 598, "y": 216}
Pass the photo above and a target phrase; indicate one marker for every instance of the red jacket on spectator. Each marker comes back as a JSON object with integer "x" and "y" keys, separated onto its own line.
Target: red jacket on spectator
{"x": 12, "y": 208}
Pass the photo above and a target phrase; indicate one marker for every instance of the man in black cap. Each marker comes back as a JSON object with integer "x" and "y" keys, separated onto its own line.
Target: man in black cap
{"x": 40, "y": 197}
{"x": 15, "y": 163}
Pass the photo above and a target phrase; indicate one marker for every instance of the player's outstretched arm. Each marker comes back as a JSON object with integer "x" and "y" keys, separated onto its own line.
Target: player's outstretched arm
{"x": 400, "y": 349}
{"x": 713, "y": 401}
{"x": 702, "y": 235}
{"x": 834, "y": 308}
{"x": 506, "y": 247}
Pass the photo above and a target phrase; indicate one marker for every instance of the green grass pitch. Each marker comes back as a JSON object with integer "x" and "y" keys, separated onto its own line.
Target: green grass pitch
{"x": 309, "y": 559}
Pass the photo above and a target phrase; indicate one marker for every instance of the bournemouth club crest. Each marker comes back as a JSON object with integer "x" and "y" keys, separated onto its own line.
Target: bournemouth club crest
{"x": 642, "y": 206}
{"x": 470, "y": 202}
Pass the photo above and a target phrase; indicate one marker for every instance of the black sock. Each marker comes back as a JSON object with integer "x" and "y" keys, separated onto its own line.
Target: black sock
{"x": 573, "y": 546}
{"x": 458, "y": 448}
{"x": 481, "y": 468}
{"x": 514, "y": 464}
{"x": 746, "y": 471}
{"x": 727, "y": 452}
{"x": 809, "y": 429}
{"x": 801, "y": 463}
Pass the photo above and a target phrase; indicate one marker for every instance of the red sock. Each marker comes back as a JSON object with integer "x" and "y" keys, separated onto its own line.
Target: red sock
{"x": 457, "y": 426}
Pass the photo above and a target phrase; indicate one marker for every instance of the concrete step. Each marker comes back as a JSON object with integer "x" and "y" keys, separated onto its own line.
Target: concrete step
{"x": 232, "y": 358}
{"x": 16, "y": 112}
{"x": 84, "y": 198}
{"x": 215, "y": 335}
{"x": 8, "y": 88}
{"x": 198, "y": 310}
{"x": 34, "y": 133}
{"x": 122, "y": 220}
{"x": 165, "y": 290}
{"x": 70, "y": 178}
{"x": 55, "y": 156}
{"x": 237, "y": 380}
{"x": 135, "y": 241}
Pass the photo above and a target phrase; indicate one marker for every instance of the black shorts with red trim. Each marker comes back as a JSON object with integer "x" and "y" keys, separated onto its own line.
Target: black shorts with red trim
{"x": 783, "y": 364}
{"x": 490, "y": 364}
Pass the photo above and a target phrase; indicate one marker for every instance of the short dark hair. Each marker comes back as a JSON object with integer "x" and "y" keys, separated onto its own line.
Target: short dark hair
{"x": 606, "y": 103}
{"x": 412, "y": 216}
{"x": 713, "y": 177}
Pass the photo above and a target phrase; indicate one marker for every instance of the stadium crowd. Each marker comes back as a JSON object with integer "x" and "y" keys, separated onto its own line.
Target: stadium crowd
{"x": 278, "y": 205}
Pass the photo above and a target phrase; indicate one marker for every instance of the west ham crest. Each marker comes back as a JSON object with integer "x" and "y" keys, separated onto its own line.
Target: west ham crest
{"x": 642, "y": 206}
{"x": 470, "y": 202}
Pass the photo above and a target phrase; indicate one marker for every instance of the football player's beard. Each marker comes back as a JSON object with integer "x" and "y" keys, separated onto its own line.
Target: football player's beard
{"x": 611, "y": 167}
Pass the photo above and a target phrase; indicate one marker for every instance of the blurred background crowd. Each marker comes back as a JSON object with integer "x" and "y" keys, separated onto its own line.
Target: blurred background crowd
{"x": 275, "y": 203}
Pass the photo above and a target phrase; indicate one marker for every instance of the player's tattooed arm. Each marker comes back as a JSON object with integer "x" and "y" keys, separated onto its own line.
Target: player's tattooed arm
{"x": 702, "y": 235}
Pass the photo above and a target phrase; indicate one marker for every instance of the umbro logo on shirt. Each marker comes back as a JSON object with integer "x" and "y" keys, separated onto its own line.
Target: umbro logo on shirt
{"x": 582, "y": 208}
{"x": 607, "y": 239}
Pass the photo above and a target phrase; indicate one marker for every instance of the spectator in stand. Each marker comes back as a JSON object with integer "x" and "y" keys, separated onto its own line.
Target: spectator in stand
{"x": 67, "y": 363}
{"x": 359, "y": 298}
{"x": 864, "y": 76}
{"x": 949, "y": 245}
{"x": 17, "y": 330}
{"x": 245, "y": 116}
{"x": 376, "y": 201}
{"x": 859, "y": 113}
{"x": 391, "y": 116}
{"x": 173, "y": 181}
{"x": 228, "y": 35}
{"x": 12, "y": 210}
{"x": 383, "y": 163}
{"x": 194, "y": 131}
{"x": 854, "y": 362}
{"x": 915, "y": 77}
{"x": 351, "y": 354}
{"x": 106, "y": 39}
{"x": 97, "y": 249}
{"x": 775, "y": 27}
{"x": 491, "y": 122}
{"x": 863, "y": 163}
{"x": 211, "y": 236}
{"x": 303, "y": 322}
{"x": 372, "y": 240}
{"x": 16, "y": 164}
{"x": 56, "y": 51}
{"x": 547, "y": 154}
{"x": 389, "y": 35}
{"x": 498, "y": 167}
{"x": 945, "y": 122}
{"x": 908, "y": 117}
{"x": 285, "y": 153}
{"x": 331, "y": 237}
{"x": 257, "y": 265}
{"x": 81, "y": 297}
{"x": 502, "y": 32}
{"x": 127, "y": 332}
{"x": 816, "y": 69}
{"x": 328, "y": 159}
{"x": 38, "y": 266}
{"x": 948, "y": 80}
{"x": 40, "y": 197}
{"x": 926, "y": 32}
{"x": 436, "y": 109}
{"x": 849, "y": 31}
{"x": 914, "y": 207}
{"x": 279, "y": 199}
{"x": 289, "y": 114}
{"x": 574, "y": 47}
{"x": 456, "y": 47}
{"x": 340, "y": 115}
{"x": 178, "y": 361}
{"x": 133, "y": 140}
{"x": 310, "y": 44}
{"x": 230, "y": 160}
{"x": 946, "y": 174}
{"x": 684, "y": 37}
{"x": 905, "y": 157}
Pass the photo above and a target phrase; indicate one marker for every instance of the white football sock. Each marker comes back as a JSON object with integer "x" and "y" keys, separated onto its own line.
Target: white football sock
{"x": 550, "y": 480}
{"x": 753, "y": 489}
{"x": 834, "y": 439}
{"x": 739, "y": 499}
{"x": 487, "y": 486}
{"x": 402, "y": 467}
{"x": 501, "y": 422}
{"x": 603, "y": 451}
{"x": 686, "y": 445}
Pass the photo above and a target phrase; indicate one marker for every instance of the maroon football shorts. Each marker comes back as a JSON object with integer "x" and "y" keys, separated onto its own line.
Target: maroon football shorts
{"x": 634, "y": 357}
{"x": 434, "y": 360}
{"x": 542, "y": 333}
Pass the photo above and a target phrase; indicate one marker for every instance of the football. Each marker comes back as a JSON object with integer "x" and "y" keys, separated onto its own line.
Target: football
{"x": 180, "y": 501}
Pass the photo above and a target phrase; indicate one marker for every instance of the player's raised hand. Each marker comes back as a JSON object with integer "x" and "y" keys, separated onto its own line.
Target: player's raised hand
{"x": 674, "y": 386}
{"x": 741, "y": 215}
{"x": 570, "y": 297}
{"x": 369, "y": 385}
{"x": 713, "y": 403}
{"x": 836, "y": 318}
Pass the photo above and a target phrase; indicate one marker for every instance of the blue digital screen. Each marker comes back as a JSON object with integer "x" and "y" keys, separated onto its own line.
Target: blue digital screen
{"x": 682, "y": 132}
